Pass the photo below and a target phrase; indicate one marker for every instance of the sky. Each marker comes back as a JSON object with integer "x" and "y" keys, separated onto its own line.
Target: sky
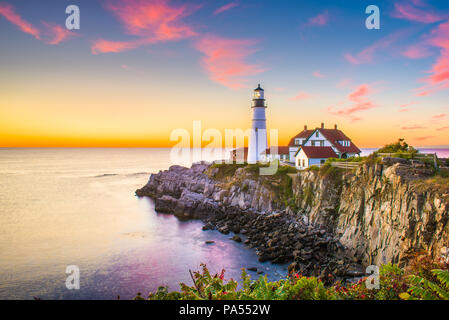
{"x": 138, "y": 69}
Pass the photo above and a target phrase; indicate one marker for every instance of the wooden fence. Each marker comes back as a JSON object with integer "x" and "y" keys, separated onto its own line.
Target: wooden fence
{"x": 346, "y": 165}
{"x": 416, "y": 156}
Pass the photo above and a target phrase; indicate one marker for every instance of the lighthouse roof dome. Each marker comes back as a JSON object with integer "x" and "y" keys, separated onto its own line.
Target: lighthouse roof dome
{"x": 258, "y": 88}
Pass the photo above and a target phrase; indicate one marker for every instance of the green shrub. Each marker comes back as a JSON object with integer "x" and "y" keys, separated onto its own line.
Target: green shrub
{"x": 443, "y": 173}
{"x": 313, "y": 168}
{"x": 225, "y": 170}
{"x": 399, "y": 147}
{"x": 424, "y": 289}
{"x": 418, "y": 282}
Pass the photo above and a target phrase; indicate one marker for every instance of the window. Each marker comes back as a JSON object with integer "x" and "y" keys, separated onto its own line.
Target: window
{"x": 298, "y": 142}
{"x": 322, "y": 161}
{"x": 321, "y": 143}
{"x": 303, "y": 162}
{"x": 313, "y": 143}
{"x": 317, "y": 134}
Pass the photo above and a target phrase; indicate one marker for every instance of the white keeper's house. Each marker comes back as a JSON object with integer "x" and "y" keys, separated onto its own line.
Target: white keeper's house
{"x": 314, "y": 147}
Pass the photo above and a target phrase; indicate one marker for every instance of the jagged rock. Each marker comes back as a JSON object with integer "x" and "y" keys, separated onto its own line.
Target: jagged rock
{"x": 389, "y": 161}
{"x": 236, "y": 238}
{"x": 208, "y": 226}
{"x": 224, "y": 229}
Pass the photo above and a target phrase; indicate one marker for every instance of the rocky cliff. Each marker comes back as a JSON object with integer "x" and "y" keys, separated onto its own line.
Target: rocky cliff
{"x": 326, "y": 222}
{"x": 381, "y": 212}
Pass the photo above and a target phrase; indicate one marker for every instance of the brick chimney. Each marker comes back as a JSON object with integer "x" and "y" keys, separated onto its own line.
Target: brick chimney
{"x": 322, "y": 125}
{"x": 336, "y": 127}
{"x": 305, "y": 127}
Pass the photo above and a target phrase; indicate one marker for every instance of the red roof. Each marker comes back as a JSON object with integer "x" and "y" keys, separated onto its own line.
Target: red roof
{"x": 280, "y": 150}
{"x": 302, "y": 135}
{"x": 319, "y": 152}
{"x": 335, "y": 135}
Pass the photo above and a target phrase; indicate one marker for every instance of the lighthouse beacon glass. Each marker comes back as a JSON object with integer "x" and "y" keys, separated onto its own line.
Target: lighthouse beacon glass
{"x": 258, "y": 93}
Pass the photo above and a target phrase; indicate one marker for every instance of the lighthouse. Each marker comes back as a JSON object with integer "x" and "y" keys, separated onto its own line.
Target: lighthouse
{"x": 258, "y": 138}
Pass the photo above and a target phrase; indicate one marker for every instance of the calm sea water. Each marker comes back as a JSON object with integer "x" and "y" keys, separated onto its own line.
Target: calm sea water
{"x": 61, "y": 207}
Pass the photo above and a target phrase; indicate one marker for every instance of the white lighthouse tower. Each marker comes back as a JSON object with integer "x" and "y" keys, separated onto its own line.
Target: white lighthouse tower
{"x": 258, "y": 138}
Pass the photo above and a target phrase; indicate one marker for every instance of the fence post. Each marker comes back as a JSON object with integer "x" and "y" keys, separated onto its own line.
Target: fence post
{"x": 435, "y": 161}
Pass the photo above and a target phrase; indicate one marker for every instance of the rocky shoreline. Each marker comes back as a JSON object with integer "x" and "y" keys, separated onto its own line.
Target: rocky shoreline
{"x": 247, "y": 207}
{"x": 328, "y": 222}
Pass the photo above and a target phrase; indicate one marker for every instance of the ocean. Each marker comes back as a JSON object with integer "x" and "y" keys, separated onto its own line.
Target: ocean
{"x": 63, "y": 207}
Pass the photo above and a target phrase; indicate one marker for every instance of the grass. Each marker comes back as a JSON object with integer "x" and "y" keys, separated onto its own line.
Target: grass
{"x": 224, "y": 170}
{"x": 280, "y": 183}
{"x": 436, "y": 184}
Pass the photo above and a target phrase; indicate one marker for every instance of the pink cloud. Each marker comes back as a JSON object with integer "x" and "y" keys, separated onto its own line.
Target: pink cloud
{"x": 301, "y": 96}
{"x": 319, "y": 20}
{"x": 411, "y": 13}
{"x": 345, "y": 83}
{"x": 50, "y": 33}
{"x": 439, "y": 116}
{"x": 318, "y": 74}
{"x": 8, "y": 11}
{"x": 413, "y": 127}
{"x": 443, "y": 128}
{"x": 226, "y": 7}
{"x": 405, "y": 107}
{"x": 225, "y": 60}
{"x": 106, "y": 46}
{"x": 416, "y": 52}
{"x": 56, "y": 33}
{"x": 151, "y": 21}
{"x": 367, "y": 54}
{"x": 439, "y": 78}
{"x": 419, "y": 3}
{"x": 358, "y": 102}
{"x": 424, "y": 138}
{"x": 360, "y": 92}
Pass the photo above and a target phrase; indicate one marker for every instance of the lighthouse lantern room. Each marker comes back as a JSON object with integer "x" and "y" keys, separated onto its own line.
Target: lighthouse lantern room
{"x": 258, "y": 138}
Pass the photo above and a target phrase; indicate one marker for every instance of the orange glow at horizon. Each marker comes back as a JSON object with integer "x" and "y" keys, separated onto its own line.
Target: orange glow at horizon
{"x": 101, "y": 115}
